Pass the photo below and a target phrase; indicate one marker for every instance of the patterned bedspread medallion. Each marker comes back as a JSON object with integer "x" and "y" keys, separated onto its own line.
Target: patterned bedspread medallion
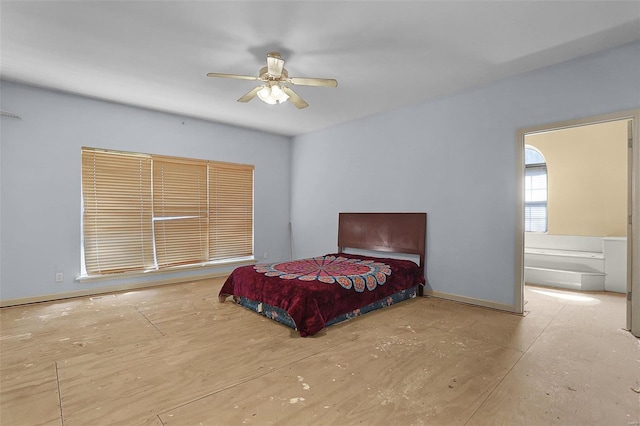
{"x": 349, "y": 273}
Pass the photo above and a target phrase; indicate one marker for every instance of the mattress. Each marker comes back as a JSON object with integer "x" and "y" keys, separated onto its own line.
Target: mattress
{"x": 309, "y": 294}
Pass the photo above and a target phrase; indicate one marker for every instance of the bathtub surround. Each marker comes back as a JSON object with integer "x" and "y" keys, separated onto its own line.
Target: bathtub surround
{"x": 576, "y": 262}
{"x": 615, "y": 264}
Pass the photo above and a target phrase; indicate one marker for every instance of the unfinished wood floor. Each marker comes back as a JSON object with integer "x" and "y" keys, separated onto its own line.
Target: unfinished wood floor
{"x": 175, "y": 356}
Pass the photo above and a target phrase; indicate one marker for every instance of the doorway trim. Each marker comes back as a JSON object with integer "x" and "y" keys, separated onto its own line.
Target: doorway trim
{"x": 633, "y": 207}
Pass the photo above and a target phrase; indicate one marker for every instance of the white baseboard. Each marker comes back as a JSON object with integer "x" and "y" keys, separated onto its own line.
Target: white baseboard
{"x": 111, "y": 289}
{"x": 470, "y": 301}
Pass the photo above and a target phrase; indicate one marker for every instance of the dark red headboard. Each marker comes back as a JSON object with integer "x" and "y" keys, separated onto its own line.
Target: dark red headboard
{"x": 387, "y": 232}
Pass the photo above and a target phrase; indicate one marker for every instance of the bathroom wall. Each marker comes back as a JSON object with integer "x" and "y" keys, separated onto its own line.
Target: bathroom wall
{"x": 587, "y": 178}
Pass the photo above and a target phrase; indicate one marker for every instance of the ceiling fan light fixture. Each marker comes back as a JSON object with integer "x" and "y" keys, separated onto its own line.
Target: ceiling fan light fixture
{"x": 272, "y": 91}
{"x": 272, "y": 94}
{"x": 276, "y": 92}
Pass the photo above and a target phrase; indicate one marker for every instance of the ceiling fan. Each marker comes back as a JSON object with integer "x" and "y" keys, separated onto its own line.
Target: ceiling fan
{"x": 274, "y": 76}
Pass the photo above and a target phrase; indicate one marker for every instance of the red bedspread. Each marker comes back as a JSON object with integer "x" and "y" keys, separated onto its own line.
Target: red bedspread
{"x": 316, "y": 290}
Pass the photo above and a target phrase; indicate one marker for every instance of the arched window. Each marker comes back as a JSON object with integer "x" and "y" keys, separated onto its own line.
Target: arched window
{"x": 535, "y": 191}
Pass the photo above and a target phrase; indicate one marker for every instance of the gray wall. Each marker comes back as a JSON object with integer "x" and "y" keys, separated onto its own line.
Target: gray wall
{"x": 454, "y": 158}
{"x": 40, "y": 178}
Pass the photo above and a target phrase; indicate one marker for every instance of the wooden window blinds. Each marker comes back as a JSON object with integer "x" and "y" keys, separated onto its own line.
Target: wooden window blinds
{"x": 231, "y": 213}
{"x": 144, "y": 212}
{"x": 179, "y": 211}
{"x": 117, "y": 212}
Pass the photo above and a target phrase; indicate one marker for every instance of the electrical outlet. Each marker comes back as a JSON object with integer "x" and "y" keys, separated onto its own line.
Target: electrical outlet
{"x": 59, "y": 277}
{"x": 266, "y": 255}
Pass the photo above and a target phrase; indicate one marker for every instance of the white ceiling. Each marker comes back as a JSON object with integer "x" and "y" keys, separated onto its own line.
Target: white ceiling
{"x": 384, "y": 54}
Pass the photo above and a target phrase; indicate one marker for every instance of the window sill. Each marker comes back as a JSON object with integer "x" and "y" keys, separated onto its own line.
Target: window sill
{"x": 249, "y": 260}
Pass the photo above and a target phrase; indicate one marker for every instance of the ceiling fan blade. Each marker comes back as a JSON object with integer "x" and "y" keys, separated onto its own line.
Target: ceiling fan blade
{"x": 296, "y": 100}
{"x": 250, "y": 94}
{"x": 275, "y": 64}
{"x": 325, "y": 82}
{"x": 237, "y": 76}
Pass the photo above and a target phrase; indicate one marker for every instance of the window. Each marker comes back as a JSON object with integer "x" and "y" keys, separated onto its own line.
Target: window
{"x": 535, "y": 191}
{"x": 145, "y": 212}
{"x": 180, "y": 211}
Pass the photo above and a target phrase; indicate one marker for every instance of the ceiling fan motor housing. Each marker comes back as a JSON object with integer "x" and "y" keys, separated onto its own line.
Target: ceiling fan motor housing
{"x": 264, "y": 75}
{"x": 273, "y": 91}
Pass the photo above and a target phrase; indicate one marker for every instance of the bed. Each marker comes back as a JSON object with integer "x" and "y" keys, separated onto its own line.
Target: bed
{"x": 313, "y": 293}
